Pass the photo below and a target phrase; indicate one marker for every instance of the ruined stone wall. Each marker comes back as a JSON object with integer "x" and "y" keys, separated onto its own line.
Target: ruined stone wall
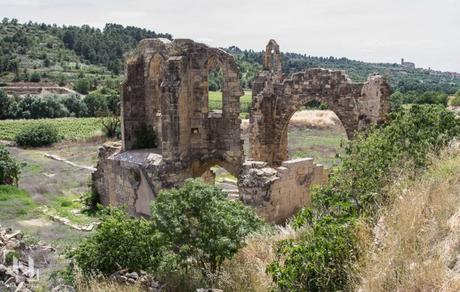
{"x": 276, "y": 97}
{"x": 166, "y": 89}
{"x": 278, "y": 193}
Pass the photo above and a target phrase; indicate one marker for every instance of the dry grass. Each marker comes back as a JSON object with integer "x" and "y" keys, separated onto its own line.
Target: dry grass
{"x": 417, "y": 239}
{"x": 246, "y": 271}
{"x": 312, "y": 119}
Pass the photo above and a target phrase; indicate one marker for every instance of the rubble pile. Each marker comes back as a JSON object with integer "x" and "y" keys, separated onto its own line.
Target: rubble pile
{"x": 20, "y": 263}
{"x": 146, "y": 281}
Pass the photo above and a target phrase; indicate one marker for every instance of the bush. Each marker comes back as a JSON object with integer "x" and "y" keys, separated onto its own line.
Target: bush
{"x": 81, "y": 86}
{"x": 96, "y": 105}
{"x": 202, "y": 225}
{"x": 9, "y": 168}
{"x": 37, "y": 135}
{"x": 455, "y": 101}
{"x": 111, "y": 126}
{"x": 35, "y": 77}
{"x": 4, "y": 104}
{"x": 194, "y": 226}
{"x": 120, "y": 242}
{"x": 355, "y": 190}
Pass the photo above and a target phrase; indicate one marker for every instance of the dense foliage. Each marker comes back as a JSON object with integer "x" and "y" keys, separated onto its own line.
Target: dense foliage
{"x": 120, "y": 242}
{"x": 104, "y": 47}
{"x": 323, "y": 258}
{"x": 37, "y": 135}
{"x": 204, "y": 226}
{"x": 9, "y": 168}
{"x": 99, "y": 103}
{"x": 399, "y": 98}
{"x": 456, "y": 100}
{"x": 400, "y": 78}
{"x": 194, "y": 226}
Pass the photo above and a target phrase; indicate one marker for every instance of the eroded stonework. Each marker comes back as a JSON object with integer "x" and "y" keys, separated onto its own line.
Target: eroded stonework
{"x": 166, "y": 91}
{"x": 276, "y": 97}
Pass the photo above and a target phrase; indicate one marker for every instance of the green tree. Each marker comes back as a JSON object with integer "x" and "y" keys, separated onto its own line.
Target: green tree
{"x": 35, "y": 77}
{"x": 121, "y": 242}
{"x": 323, "y": 257}
{"x": 9, "y": 168}
{"x": 202, "y": 224}
{"x": 96, "y": 105}
{"x": 81, "y": 86}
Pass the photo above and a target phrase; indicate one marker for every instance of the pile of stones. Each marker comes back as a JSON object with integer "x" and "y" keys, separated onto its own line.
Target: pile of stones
{"x": 20, "y": 262}
{"x": 144, "y": 280}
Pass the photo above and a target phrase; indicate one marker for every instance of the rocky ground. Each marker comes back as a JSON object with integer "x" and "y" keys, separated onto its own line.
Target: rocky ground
{"x": 21, "y": 261}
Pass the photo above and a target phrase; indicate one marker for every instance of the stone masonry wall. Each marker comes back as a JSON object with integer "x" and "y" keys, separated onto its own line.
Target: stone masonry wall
{"x": 278, "y": 193}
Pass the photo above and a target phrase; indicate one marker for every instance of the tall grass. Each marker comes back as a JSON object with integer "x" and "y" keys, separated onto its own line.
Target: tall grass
{"x": 416, "y": 241}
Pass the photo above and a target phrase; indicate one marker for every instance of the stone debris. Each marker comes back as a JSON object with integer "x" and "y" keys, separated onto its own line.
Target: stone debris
{"x": 146, "y": 281}
{"x": 66, "y": 221}
{"x": 19, "y": 262}
{"x": 57, "y": 158}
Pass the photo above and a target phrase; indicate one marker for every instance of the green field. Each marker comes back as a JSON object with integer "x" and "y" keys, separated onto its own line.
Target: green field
{"x": 68, "y": 128}
{"x": 215, "y": 101}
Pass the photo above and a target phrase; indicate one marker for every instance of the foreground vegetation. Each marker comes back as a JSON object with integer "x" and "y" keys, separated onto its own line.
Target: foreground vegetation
{"x": 417, "y": 232}
{"x": 194, "y": 228}
{"x": 326, "y": 253}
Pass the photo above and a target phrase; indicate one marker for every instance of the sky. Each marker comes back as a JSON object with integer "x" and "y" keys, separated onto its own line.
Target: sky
{"x": 426, "y": 32}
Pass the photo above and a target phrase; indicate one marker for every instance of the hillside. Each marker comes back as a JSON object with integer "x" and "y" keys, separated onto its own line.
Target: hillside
{"x": 417, "y": 237}
{"x": 63, "y": 54}
{"x": 401, "y": 78}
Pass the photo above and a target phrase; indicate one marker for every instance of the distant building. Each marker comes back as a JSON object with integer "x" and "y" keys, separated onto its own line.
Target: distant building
{"x": 407, "y": 65}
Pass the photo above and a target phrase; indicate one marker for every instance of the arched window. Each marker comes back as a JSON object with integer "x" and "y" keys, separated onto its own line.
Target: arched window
{"x": 215, "y": 85}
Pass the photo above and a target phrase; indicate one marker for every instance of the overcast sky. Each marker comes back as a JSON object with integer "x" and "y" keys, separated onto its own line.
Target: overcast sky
{"x": 426, "y": 32}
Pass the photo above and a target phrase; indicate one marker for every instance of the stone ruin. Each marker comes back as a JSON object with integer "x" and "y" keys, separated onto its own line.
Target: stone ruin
{"x": 165, "y": 91}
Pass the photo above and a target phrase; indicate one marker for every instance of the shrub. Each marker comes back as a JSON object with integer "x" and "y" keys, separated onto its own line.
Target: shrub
{"x": 202, "y": 224}
{"x": 120, "y": 242}
{"x": 35, "y": 77}
{"x": 37, "y": 135}
{"x": 455, "y": 101}
{"x": 96, "y": 105}
{"x": 9, "y": 168}
{"x": 194, "y": 226}
{"x": 111, "y": 126}
{"x": 4, "y": 104}
{"x": 81, "y": 86}
{"x": 355, "y": 189}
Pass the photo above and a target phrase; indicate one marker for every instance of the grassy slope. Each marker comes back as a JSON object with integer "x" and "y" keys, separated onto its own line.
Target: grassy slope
{"x": 68, "y": 128}
{"x": 418, "y": 234}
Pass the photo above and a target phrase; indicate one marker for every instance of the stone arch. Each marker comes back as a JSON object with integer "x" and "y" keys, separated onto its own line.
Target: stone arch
{"x": 213, "y": 63}
{"x": 199, "y": 167}
{"x": 278, "y": 100}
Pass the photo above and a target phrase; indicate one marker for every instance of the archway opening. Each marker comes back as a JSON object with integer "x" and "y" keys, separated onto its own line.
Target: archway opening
{"x": 215, "y": 88}
{"x": 315, "y": 131}
{"x": 217, "y": 175}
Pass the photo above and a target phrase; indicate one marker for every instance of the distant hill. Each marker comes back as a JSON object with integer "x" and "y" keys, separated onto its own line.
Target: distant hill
{"x": 64, "y": 54}
{"x": 401, "y": 78}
